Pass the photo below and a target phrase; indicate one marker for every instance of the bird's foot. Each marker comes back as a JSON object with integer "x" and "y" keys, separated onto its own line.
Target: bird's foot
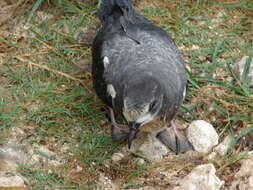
{"x": 119, "y": 134}
{"x": 174, "y": 139}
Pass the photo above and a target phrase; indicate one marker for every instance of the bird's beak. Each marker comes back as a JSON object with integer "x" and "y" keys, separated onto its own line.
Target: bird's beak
{"x": 133, "y": 131}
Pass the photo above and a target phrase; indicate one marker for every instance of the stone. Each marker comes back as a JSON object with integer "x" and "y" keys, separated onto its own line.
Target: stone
{"x": 149, "y": 146}
{"x": 8, "y": 166}
{"x": 11, "y": 181}
{"x": 251, "y": 182}
{"x": 202, "y": 136}
{"x": 244, "y": 177}
{"x": 238, "y": 68}
{"x": 201, "y": 178}
{"x": 79, "y": 169}
{"x": 15, "y": 153}
{"x": 139, "y": 161}
{"x": 15, "y": 134}
{"x": 223, "y": 147}
{"x": 116, "y": 157}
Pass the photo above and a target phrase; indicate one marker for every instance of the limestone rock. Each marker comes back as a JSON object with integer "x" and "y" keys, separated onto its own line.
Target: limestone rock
{"x": 116, "y": 157}
{"x": 8, "y": 166}
{"x": 11, "y": 181}
{"x": 201, "y": 178}
{"x": 202, "y": 136}
{"x": 15, "y": 153}
{"x": 244, "y": 177}
{"x": 139, "y": 161}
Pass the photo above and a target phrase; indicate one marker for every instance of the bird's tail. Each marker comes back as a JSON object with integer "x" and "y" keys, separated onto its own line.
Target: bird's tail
{"x": 110, "y": 7}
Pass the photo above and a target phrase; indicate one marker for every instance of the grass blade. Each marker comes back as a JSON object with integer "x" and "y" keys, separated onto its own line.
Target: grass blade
{"x": 34, "y": 8}
{"x": 191, "y": 80}
{"x": 245, "y": 74}
{"x": 215, "y": 54}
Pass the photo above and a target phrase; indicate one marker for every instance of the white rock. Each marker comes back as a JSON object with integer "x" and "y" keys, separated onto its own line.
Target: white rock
{"x": 13, "y": 152}
{"x": 139, "y": 161}
{"x": 238, "y": 68}
{"x": 116, "y": 157}
{"x": 201, "y": 178}
{"x": 251, "y": 182}
{"x": 79, "y": 169}
{"x": 12, "y": 181}
{"x": 244, "y": 177}
{"x": 8, "y": 166}
{"x": 202, "y": 136}
{"x": 246, "y": 167}
{"x": 223, "y": 147}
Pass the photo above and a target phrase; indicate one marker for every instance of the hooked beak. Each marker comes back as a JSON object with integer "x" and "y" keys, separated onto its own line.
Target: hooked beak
{"x": 133, "y": 131}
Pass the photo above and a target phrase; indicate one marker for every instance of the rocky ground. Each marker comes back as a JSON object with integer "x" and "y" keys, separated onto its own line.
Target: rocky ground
{"x": 149, "y": 151}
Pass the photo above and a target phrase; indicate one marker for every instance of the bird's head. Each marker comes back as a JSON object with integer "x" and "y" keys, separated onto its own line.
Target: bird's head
{"x": 142, "y": 101}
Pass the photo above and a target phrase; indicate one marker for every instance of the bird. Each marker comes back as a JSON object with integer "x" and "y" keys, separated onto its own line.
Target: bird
{"x": 139, "y": 73}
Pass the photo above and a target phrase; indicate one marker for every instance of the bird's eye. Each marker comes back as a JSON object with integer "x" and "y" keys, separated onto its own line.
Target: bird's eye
{"x": 152, "y": 105}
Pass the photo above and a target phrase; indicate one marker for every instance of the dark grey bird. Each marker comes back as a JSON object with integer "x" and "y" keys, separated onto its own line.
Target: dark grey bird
{"x": 138, "y": 72}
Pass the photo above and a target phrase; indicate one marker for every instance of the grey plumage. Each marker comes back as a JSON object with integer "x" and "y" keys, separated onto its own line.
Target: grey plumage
{"x": 142, "y": 65}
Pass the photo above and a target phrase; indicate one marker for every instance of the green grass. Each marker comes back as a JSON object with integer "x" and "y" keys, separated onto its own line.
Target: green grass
{"x": 62, "y": 111}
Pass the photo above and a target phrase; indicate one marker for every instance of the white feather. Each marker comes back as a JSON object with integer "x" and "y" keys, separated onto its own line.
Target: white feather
{"x": 111, "y": 90}
{"x": 106, "y": 62}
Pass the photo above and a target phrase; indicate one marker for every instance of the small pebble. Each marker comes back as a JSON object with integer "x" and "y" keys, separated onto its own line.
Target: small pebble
{"x": 79, "y": 169}
{"x": 139, "y": 161}
{"x": 116, "y": 157}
